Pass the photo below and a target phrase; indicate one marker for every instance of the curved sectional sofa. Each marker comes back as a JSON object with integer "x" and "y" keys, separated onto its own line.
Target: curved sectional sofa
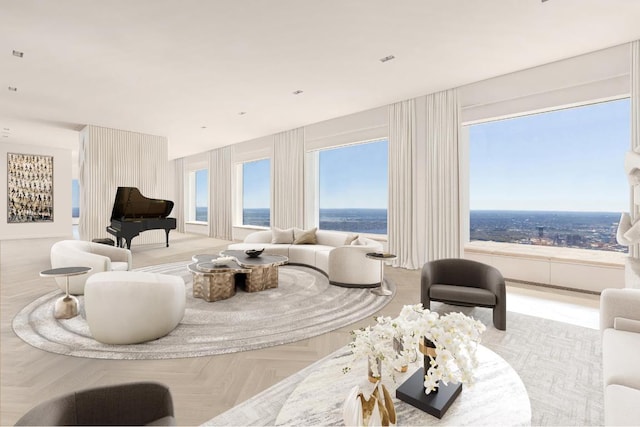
{"x": 340, "y": 256}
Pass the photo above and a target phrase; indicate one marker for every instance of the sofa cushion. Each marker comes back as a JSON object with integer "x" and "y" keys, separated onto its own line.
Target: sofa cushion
{"x": 350, "y": 238}
{"x": 463, "y": 294}
{"x": 305, "y": 237}
{"x": 281, "y": 236}
{"x": 620, "y": 358}
{"x": 305, "y": 254}
{"x": 621, "y": 406}
{"x": 322, "y": 260}
{"x": 119, "y": 266}
{"x": 624, "y": 324}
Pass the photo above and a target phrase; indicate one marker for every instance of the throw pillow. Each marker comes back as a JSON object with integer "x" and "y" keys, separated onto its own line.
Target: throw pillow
{"x": 305, "y": 237}
{"x": 281, "y": 236}
{"x": 350, "y": 238}
{"x": 624, "y": 324}
{"x": 359, "y": 242}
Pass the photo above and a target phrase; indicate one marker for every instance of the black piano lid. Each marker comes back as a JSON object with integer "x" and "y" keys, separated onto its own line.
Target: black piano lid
{"x": 130, "y": 203}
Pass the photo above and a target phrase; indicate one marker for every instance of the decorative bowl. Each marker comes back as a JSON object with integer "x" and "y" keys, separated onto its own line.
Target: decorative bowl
{"x": 254, "y": 253}
{"x": 221, "y": 261}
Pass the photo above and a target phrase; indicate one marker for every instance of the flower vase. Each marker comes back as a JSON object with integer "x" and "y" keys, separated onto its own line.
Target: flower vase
{"x": 374, "y": 376}
{"x": 398, "y": 347}
{"x": 428, "y": 349}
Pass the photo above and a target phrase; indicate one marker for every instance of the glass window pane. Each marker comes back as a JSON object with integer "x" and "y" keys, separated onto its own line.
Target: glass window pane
{"x": 553, "y": 178}
{"x": 353, "y": 183}
{"x": 202, "y": 195}
{"x": 75, "y": 198}
{"x": 256, "y": 193}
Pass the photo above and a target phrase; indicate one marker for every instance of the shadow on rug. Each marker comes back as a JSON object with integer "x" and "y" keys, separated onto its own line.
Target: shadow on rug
{"x": 304, "y": 305}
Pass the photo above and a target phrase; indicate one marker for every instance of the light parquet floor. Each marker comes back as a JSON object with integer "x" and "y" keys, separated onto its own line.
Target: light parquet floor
{"x": 201, "y": 387}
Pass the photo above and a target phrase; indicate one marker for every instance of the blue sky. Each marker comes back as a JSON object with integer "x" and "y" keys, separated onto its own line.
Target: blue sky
{"x": 202, "y": 187}
{"x": 350, "y": 177}
{"x": 256, "y": 184}
{"x": 566, "y": 160}
{"x": 354, "y": 176}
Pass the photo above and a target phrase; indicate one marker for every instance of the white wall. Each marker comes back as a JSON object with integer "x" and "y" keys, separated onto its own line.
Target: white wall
{"x": 599, "y": 75}
{"x": 61, "y": 225}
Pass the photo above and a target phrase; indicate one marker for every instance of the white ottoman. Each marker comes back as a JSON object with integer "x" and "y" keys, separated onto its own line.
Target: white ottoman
{"x": 128, "y": 307}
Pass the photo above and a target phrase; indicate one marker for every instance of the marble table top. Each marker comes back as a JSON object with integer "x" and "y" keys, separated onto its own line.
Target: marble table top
{"x": 498, "y": 397}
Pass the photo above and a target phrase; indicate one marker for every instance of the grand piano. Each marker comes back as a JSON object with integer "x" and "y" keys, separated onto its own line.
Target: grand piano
{"x": 134, "y": 213}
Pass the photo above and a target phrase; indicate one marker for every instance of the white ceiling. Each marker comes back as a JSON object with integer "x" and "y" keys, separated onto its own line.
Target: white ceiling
{"x": 170, "y": 67}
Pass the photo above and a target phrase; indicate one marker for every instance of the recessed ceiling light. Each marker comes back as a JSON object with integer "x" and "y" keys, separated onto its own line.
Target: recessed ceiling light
{"x": 297, "y": 92}
{"x": 13, "y": 89}
{"x": 18, "y": 53}
{"x": 203, "y": 127}
{"x": 242, "y": 113}
{"x": 387, "y": 58}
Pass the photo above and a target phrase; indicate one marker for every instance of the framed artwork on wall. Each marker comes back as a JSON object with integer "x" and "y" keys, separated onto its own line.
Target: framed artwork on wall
{"x": 29, "y": 188}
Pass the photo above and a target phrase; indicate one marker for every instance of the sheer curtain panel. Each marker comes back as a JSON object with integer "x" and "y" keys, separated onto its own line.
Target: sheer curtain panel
{"x": 634, "y": 250}
{"x": 442, "y": 189}
{"x": 220, "y": 208}
{"x": 288, "y": 179}
{"x": 403, "y": 215}
{"x": 178, "y": 207}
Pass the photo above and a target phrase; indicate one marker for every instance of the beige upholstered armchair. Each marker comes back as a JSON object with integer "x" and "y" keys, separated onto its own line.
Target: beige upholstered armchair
{"x": 130, "y": 404}
{"x": 78, "y": 253}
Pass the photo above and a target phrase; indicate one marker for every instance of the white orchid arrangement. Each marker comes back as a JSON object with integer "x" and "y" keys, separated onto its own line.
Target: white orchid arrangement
{"x": 454, "y": 335}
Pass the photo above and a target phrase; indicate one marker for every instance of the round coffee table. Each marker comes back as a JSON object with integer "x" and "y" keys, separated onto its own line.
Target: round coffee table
{"x": 498, "y": 396}
{"x": 65, "y": 307}
{"x": 214, "y": 282}
{"x": 264, "y": 269}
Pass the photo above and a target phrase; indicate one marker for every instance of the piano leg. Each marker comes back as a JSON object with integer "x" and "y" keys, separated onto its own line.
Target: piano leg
{"x": 167, "y": 231}
{"x": 128, "y": 244}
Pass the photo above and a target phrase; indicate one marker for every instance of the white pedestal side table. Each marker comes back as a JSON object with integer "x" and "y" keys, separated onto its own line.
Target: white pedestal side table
{"x": 65, "y": 307}
{"x": 382, "y": 257}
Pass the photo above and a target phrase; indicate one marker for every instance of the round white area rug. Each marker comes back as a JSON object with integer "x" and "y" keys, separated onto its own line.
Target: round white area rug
{"x": 303, "y": 305}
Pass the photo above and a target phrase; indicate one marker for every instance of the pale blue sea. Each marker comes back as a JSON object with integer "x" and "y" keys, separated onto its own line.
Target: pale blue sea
{"x": 372, "y": 221}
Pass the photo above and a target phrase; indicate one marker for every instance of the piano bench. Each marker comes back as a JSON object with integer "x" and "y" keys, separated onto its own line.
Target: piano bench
{"x": 105, "y": 241}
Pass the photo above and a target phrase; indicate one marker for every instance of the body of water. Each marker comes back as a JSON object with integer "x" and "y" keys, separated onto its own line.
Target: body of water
{"x": 372, "y": 221}
{"x": 202, "y": 213}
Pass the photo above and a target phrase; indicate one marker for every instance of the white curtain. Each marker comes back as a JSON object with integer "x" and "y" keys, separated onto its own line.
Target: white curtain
{"x": 634, "y": 250}
{"x": 287, "y": 180}
{"x": 220, "y": 207}
{"x": 178, "y": 207}
{"x": 403, "y": 214}
{"x": 442, "y": 190}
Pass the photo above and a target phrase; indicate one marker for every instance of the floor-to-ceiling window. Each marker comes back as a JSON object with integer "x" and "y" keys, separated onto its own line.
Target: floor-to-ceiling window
{"x": 554, "y": 178}
{"x": 353, "y": 187}
{"x": 197, "y": 205}
{"x": 75, "y": 199}
{"x": 256, "y": 193}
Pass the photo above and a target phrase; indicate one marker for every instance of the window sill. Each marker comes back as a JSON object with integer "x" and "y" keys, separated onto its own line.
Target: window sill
{"x": 196, "y": 222}
{"x": 252, "y": 227}
{"x": 548, "y": 253}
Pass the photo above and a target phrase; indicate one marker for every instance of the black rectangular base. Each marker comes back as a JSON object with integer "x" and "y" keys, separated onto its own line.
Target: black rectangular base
{"x": 434, "y": 403}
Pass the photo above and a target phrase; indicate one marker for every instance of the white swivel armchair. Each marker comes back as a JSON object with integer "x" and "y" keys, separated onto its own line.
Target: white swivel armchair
{"x": 78, "y": 253}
